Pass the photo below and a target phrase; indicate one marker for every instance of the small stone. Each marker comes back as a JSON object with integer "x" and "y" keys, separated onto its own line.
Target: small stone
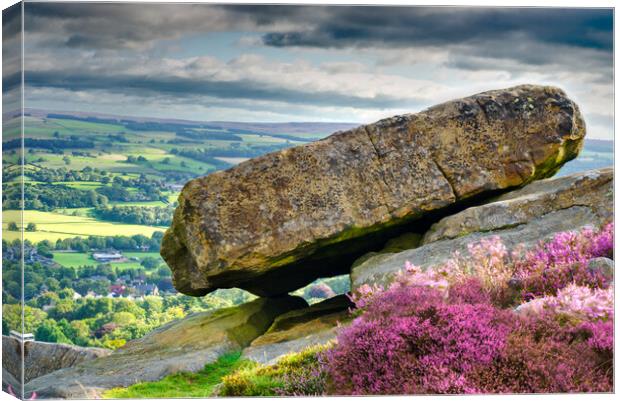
{"x": 602, "y": 265}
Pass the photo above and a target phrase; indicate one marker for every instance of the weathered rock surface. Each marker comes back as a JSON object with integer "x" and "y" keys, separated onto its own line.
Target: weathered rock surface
{"x": 10, "y": 383}
{"x": 277, "y": 222}
{"x": 525, "y": 216}
{"x": 603, "y": 265}
{"x": 298, "y": 329}
{"x": 185, "y": 345}
{"x": 42, "y": 358}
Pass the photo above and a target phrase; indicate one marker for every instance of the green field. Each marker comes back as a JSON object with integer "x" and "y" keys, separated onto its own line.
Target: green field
{"x": 78, "y": 259}
{"x": 52, "y": 226}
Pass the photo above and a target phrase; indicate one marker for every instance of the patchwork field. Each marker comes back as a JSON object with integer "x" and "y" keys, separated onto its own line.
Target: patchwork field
{"x": 52, "y": 226}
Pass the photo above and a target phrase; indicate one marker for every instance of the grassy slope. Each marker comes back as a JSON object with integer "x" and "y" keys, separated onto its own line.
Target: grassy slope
{"x": 199, "y": 384}
{"x": 236, "y": 377}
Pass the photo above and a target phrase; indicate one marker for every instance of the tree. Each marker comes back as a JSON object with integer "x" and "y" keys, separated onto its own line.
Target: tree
{"x": 13, "y": 226}
{"x": 31, "y": 227}
{"x": 50, "y": 332}
{"x": 123, "y": 318}
{"x": 150, "y": 262}
{"x": 67, "y": 160}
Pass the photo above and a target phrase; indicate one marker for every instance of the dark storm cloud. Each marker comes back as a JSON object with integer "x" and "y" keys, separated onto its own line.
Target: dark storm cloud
{"x": 489, "y": 32}
{"x": 411, "y": 26}
{"x": 185, "y": 87}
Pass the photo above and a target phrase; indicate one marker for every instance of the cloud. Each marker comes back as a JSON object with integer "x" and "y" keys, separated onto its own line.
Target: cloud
{"x": 307, "y": 62}
{"x": 248, "y": 76}
{"x": 138, "y": 26}
{"x": 424, "y": 26}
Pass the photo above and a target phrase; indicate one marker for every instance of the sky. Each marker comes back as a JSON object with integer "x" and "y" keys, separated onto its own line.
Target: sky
{"x": 305, "y": 63}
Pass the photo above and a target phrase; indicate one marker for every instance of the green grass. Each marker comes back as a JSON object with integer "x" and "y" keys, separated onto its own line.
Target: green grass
{"x": 52, "y": 226}
{"x": 78, "y": 259}
{"x": 256, "y": 379}
{"x": 183, "y": 385}
{"x": 83, "y": 185}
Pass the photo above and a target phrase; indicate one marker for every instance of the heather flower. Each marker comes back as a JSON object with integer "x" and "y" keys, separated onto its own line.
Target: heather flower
{"x": 564, "y": 260}
{"x": 574, "y": 301}
{"x": 414, "y": 276}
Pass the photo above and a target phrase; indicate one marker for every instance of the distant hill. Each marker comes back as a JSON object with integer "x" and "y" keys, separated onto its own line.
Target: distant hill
{"x": 315, "y": 128}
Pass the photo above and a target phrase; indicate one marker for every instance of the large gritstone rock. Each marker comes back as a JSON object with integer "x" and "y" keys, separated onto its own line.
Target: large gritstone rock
{"x": 185, "y": 345}
{"x": 42, "y": 358}
{"x": 525, "y": 216}
{"x": 277, "y": 222}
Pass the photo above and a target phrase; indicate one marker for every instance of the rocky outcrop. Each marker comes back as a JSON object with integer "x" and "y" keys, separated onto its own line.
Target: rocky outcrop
{"x": 525, "y": 216}
{"x": 277, "y": 222}
{"x": 185, "y": 345}
{"x": 42, "y": 358}
{"x": 299, "y": 329}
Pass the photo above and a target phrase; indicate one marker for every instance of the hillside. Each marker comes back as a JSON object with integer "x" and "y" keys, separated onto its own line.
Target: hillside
{"x": 469, "y": 269}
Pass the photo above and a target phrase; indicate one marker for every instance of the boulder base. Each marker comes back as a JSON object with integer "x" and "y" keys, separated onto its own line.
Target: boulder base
{"x": 525, "y": 216}
{"x": 299, "y": 329}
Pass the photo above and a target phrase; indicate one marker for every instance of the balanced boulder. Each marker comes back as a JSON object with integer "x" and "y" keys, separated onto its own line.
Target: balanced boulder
{"x": 277, "y": 222}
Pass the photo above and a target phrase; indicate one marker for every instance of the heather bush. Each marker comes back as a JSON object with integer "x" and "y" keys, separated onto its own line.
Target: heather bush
{"x": 564, "y": 260}
{"x": 425, "y": 345}
{"x": 543, "y": 356}
{"x": 454, "y": 329}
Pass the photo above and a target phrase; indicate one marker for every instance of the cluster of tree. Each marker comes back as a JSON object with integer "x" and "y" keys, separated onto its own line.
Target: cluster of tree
{"x": 120, "y": 137}
{"x": 118, "y": 242}
{"x": 12, "y": 226}
{"x": 152, "y": 216}
{"x": 50, "y": 144}
{"x": 209, "y": 135}
{"x": 86, "y": 119}
{"x": 103, "y": 322}
{"x": 201, "y": 155}
{"x": 135, "y": 160}
{"x": 50, "y": 196}
{"x": 144, "y": 189}
{"x": 48, "y": 175}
